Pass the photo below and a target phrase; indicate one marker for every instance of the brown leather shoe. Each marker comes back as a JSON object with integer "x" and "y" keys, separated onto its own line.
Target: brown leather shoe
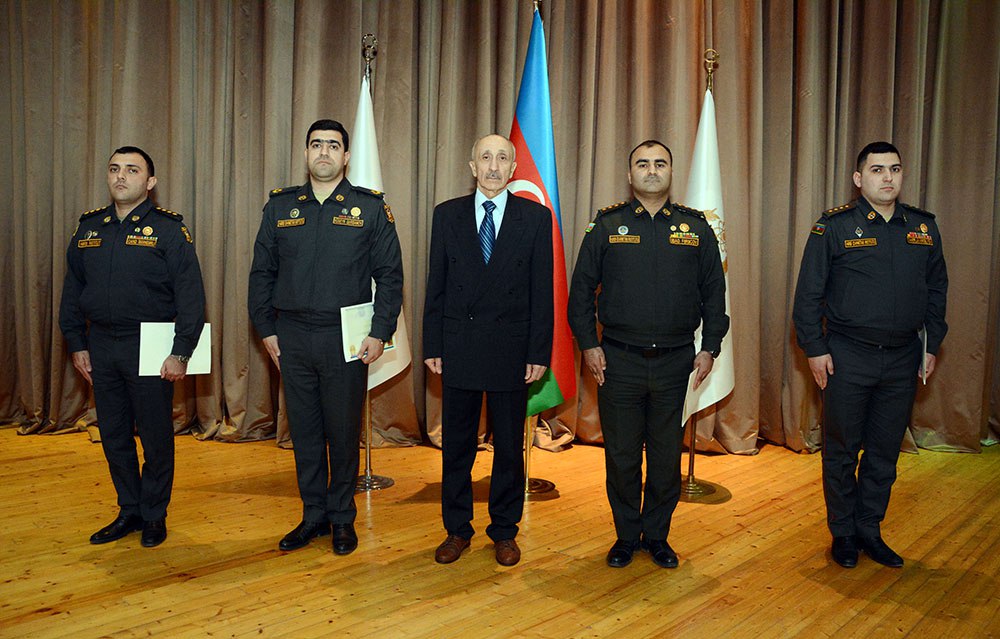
{"x": 450, "y": 549}
{"x": 507, "y": 552}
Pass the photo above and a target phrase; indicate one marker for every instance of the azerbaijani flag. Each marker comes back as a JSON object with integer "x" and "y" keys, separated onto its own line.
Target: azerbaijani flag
{"x": 535, "y": 178}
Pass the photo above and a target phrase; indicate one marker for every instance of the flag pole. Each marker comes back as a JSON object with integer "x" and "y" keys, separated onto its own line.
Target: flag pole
{"x": 370, "y": 481}
{"x": 691, "y": 488}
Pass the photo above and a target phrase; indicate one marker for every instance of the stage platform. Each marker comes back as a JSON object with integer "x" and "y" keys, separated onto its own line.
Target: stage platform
{"x": 754, "y": 565}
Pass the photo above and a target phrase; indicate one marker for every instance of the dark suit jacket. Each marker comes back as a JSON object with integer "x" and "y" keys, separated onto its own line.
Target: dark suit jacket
{"x": 487, "y": 322}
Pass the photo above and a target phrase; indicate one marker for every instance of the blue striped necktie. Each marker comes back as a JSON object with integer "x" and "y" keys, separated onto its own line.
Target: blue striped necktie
{"x": 487, "y": 231}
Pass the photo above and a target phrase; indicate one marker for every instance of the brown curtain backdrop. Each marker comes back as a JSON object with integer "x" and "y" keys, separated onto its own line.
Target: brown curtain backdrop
{"x": 221, "y": 94}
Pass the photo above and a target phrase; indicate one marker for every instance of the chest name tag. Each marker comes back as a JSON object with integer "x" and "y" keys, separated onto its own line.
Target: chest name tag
{"x": 93, "y": 242}
{"x": 919, "y": 238}
{"x": 136, "y": 240}
{"x": 342, "y": 220}
{"x": 865, "y": 241}
{"x": 684, "y": 239}
{"x": 297, "y": 222}
{"x": 623, "y": 239}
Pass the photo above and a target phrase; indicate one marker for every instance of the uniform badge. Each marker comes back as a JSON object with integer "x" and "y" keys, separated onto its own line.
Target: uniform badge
{"x": 294, "y": 213}
{"x": 355, "y": 211}
{"x": 863, "y": 242}
{"x": 622, "y": 230}
{"x": 623, "y": 239}
{"x": 590, "y": 227}
{"x": 147, "y": 230}
{"x": 339, "y": 198}
{"x": 871, "y": 215}
{"x": 683, "y": 238}
{"x": 684, "y": 227}
{"x": 858, "y": 230}
{"x": 107, "y": 219}
{"x": 91, "y": 234}
{"x": 135, "y": 218}
{"x": 818, "y": 228}
{"x": 302, "y": 198}
{"x": 187, "y": 235}
{"x": 673, "y": 228}
{"x": 138, "y": 230}
{"x": 640, "y": 210}
{"x": 388, "y": 213}
{"x": 923, "y": 228}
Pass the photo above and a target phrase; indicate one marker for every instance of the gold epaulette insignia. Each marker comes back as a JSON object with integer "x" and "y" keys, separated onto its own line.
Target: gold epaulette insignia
{"x": 167, "y": 212}
{"x": 284, "y": 189}
{"x": 90, "y": 213}
{"x": 612, "y": 207}
{"x": 838, "y": 209}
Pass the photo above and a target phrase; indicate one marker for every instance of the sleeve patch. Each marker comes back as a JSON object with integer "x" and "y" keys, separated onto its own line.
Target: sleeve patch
{"x": 818, "y": 228}
{"x": 388, "y": 214}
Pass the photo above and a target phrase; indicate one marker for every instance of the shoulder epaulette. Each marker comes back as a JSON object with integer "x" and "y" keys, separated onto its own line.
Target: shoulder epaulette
{"x": 91, "y": 213}
{"x": 611, "y": 207}
{"x": 689, "y": 210}
{"x": 918, "y": 210}
{"x": 173, "y": 215}
{"x": 283, "y": 190}
{"x": 368, "y": 191}
{"x": 838, "y": 209}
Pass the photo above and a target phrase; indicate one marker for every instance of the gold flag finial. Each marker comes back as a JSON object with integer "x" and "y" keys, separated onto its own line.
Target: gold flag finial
{"x": 711, "y": 64}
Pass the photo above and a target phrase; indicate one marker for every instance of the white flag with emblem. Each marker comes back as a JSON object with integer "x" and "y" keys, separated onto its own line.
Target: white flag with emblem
{"x": 365, "y": 170}
{"x": 704, "y": 192}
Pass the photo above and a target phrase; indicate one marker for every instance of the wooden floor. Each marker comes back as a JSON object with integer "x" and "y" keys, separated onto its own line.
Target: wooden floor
{"x": 756, "y": 565}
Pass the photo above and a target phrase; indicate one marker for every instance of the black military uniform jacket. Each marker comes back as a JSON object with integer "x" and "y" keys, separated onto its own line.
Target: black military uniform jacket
{"x": 310, "y": 260}
{"x": 874, "y": 281}
{"x": 142, "y": 269}
{"x": 660, "y": 277}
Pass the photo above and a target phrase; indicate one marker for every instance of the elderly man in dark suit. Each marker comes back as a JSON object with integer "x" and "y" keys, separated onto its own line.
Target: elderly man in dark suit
{"x": 487, "y": 328}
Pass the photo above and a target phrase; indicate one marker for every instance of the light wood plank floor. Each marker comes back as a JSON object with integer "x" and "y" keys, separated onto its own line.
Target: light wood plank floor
{"x": 755, "y": 566}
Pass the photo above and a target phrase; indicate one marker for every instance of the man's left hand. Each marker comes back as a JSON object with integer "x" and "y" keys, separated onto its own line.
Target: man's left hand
{"x": 533, "y": 373}
{"x": 929, "y": 364}
{"x": 703, "y": 364}
{"x": 371, "y": 349}
{"x": 173, "y": 369}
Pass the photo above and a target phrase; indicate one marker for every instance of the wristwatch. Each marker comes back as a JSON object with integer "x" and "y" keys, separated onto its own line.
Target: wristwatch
{"x": 714, "y": 354}
{"x": 183, "y": 359}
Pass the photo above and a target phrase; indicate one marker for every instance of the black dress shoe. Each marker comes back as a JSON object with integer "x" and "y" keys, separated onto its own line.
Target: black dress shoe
{"x": 121, "y": 526}
{"x": 620, "y": 554}
{"x": 302, "y": 533}
{"x": 845, "y": 551}
{"x": 661, "y": 552}
{"x": 153, "y": 533}
{"x": 345, "y": 540}
{"x": 879, "y": 551}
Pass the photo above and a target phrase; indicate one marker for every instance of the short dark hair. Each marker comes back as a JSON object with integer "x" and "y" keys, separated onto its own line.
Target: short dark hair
{"x": 876, "y": 147}
{"x": 135, "y": 149}
{"x": 645, "y": 145}
{"x": 329, "y": 125}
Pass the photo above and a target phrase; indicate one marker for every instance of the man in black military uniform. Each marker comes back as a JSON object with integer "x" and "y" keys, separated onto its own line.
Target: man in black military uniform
{"x": 318, "y": 249}
{"x": 658, "y": 266}
{"x": 132, "y": 262}
{"x": 874, "y": 270}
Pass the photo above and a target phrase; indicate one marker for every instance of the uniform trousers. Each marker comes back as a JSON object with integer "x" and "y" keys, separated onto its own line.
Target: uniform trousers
{"x": 324, "y": 396}
{"x": 459, "y": 441}
{"x": 127, "y": 403}
{"x": 867, "y": 405}
{"x": 641, "y": 402}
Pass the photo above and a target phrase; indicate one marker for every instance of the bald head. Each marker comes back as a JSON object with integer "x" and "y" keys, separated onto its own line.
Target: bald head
{"x": 492, "y": 164}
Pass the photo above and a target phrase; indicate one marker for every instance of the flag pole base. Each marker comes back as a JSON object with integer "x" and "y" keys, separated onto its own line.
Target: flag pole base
{"x": 538, "y": 486}
{"x": 692, "y": 486}
{"x": 373, "y": 482}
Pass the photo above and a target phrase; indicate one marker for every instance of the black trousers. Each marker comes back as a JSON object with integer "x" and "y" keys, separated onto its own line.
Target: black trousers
{"x": 127, "y": 403}
{"x": 641, "y": 403}
{"x": 459, "y": 441}
{"x": 867, "y": 404}
{"x": 324, "y": 396}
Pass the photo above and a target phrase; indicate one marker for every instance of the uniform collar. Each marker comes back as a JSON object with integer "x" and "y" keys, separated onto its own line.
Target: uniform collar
{"x": 133, "y": 217}
{"x": 339, "y": 194}
{"x": 638, "y": 209}
{"x": 873, "y": 216}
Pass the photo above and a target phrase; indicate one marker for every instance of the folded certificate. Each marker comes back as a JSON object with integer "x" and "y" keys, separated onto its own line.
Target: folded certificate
{"x": 355, "y": 324}
{"x": 156, "y": 340}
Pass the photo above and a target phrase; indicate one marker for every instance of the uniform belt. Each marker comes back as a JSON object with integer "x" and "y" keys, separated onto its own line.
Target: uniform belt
{"x": 876, "y": 345}
{"x": 645, "y": 351}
